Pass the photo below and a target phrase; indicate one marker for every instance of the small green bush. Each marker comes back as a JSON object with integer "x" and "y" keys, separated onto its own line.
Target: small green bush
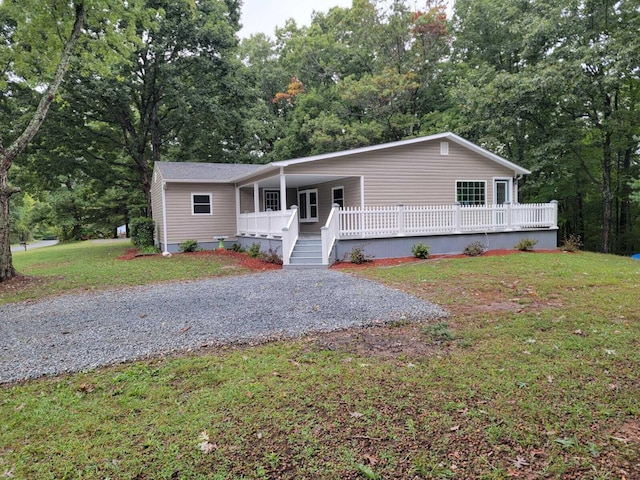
{"x": 142, "y": 229}
{"x": 474, "y": 249}
{"x": 236, "y": 247}
{"x": 420, "y": 250}
{"x": 254, "y": 250}
{"x": 358, "y": 256}
{"x": 526, "y": 244}
{"x": 189, "y": 246}
{"x": 572, "y": 243}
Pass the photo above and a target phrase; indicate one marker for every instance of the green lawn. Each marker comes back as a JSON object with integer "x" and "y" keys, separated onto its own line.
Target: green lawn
{"x": 90, "y": 266}
{"x": 534, "y": 375}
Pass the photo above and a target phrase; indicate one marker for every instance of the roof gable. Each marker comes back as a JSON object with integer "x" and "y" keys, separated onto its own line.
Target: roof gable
{"x": 440, "y": 136}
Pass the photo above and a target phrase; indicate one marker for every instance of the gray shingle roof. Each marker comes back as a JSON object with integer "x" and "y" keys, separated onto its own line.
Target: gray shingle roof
{"x": 209, "y": 172}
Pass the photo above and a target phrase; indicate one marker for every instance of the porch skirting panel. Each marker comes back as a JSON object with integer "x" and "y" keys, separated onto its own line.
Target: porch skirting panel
{"x": 396, "y": 247}
{"x": 275, "y": 244}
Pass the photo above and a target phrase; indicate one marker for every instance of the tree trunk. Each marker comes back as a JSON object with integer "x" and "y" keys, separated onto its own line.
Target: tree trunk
{"x": 8, "y": 155}
{"x": 607, "y": 194}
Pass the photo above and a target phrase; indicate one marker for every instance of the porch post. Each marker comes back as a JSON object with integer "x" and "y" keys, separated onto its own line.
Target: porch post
{"x": 256, "y": 205}
{"x": 554, "y": 220}
{"x": 458, "y": 220}
{"x": 283, "y": 190}
{"x": 237, "y": 210}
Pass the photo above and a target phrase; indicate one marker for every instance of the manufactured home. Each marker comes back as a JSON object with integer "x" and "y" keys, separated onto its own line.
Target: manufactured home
{"x": 441, "y": 190}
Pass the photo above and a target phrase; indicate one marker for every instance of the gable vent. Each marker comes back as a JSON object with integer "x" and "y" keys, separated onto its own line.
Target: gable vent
{"x": 444, "y": 148}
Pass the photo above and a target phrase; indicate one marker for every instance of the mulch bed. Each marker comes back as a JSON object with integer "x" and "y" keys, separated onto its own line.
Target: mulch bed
{"x": 385, "y": 262}
{"x": 240, "y": 258}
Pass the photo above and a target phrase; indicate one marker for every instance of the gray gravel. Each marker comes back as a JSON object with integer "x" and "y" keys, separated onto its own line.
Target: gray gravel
{"x": 79, "y": 332}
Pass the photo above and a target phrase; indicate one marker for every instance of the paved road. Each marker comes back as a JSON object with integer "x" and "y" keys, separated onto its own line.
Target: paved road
{"x": 31, "y": 246}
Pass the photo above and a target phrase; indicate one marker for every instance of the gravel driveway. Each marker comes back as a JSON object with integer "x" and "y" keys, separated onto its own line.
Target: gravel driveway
{"x": 82, "y": 331}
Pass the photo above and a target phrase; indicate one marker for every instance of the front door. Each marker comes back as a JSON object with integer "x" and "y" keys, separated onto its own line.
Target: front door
{"x": 308, "y": 205}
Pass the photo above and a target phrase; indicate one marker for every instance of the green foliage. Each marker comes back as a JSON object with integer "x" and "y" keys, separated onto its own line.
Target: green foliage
{"x": 526, "y": 244}
{"x": 254, "y": 250}
{"x": 474, "y": 249}
{"x": 236, "y": 247}
{"x": 142, "y": 230}
{"x": 438, "y": 332}
{"x": 420, "y": 250}
{"x": 358, "y": 255}
{"x": 189, "y": 246}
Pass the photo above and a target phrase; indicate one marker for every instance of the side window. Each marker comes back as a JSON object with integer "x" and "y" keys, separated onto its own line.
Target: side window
{"x": 337, "y": 196}
{"x": 201, "y": 204}
{"x": 471, "y": 193}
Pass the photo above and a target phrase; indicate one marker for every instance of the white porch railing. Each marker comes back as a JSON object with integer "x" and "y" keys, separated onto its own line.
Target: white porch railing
{"x": 290, "y": 235}
{"x": 330, "y": 232}
{"x": 411, "y": 220}
{"x": 263, "y": 224}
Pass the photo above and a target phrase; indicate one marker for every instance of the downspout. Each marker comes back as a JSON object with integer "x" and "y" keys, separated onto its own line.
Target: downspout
{"x": 516, "y": 193}
{"x": 164, "y": 220}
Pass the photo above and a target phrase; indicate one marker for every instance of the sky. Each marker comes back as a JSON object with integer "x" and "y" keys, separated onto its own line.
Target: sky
{"x": 264, "y": 15}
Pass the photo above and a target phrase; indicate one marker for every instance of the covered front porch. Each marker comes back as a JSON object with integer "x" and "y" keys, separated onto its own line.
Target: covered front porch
{"x": 407, "y": 224}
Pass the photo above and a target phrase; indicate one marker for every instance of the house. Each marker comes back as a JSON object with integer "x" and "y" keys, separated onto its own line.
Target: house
{"x": 441, "y": 190}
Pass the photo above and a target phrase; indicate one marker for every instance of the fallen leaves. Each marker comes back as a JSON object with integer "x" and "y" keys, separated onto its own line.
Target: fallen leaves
{"x": 205, "y": 444}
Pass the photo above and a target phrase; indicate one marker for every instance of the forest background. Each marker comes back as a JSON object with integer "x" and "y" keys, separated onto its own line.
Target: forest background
{"x": 552, "y": 86}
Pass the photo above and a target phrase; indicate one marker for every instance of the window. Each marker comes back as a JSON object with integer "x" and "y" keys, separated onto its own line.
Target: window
{"x": 272, "y": 200}
{"x": 337, "y": 196}
{"x": 471, "y": 193}
{"x": 444, "y": 148}
{"x": 308, "y": 205}
{"x": 201, "y": 203}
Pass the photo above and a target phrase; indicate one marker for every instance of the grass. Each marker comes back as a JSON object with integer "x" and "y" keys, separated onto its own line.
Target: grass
{"x": 94, "y": 266}
{"x": 547, "y": 388}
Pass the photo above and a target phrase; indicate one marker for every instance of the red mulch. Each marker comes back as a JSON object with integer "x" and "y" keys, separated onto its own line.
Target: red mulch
{"x": 382, "y": 262}
{"x": 242, "y": 259}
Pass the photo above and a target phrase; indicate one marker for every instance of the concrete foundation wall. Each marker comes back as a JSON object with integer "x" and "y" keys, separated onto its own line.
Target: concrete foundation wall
{"x": 446, "y": 244}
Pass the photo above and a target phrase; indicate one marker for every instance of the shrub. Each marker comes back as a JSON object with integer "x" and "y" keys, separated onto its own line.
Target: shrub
{"x": 271, "y": 256}
{"x": 142, "y": 229}
{"x": 254, "y": 250}
{"x": 526, "y": 244}
{"x": 474, "y": 249}
{"x": 572, "y": 243}
{"x": 358, "y": 256}
{"x": 420, "y": 250}
{"x": 189, "y": 246}
{"x": 236, "y": 247}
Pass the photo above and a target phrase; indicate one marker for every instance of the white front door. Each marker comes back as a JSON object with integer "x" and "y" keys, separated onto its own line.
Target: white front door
{"x": 308, "y": 205}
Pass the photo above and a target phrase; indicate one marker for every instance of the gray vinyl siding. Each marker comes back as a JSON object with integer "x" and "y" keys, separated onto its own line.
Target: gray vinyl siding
{"x": 183, "y": 225}
{"x": 411, "y": 174}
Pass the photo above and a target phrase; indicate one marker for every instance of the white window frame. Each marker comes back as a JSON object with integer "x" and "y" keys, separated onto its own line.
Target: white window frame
{"x": 484, "y": 182}
{"x": 264, "y": 199}
{"x": 333, "y": 195}
{"x": 307, "y": 205}
{"x": 509, "y": 183}
{"x": 193, "y": 203}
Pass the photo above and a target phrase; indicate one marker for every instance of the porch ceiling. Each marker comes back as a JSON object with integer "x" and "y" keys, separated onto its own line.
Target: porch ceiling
{"x": 297, "y": 181}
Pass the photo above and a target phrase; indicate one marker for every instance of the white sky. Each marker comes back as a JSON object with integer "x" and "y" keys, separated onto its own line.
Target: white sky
{"x": 264, "y": 15}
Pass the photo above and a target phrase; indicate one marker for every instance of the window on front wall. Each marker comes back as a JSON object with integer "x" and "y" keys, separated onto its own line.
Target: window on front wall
{"x": 201, "y": 203}
{"x": 308, "y": 205}
{"x": 471, "y": 193}
{"x": 272, "y": 200}
{"x": 337, "y": 196}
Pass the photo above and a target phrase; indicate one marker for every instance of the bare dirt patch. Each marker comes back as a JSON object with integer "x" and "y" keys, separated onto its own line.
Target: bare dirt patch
{"x": 406, "y": 341}
{"x": 20, "y": 283}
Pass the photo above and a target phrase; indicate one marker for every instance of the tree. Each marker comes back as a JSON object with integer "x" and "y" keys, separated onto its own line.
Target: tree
{"x": 175, "y": 95}
{"x": 13, "y": 34}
